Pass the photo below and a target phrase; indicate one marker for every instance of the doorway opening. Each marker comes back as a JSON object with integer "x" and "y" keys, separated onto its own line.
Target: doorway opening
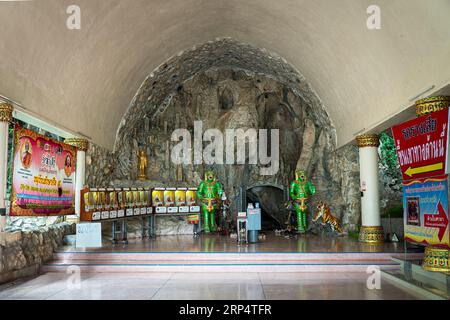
{"x": 272, "y": 203}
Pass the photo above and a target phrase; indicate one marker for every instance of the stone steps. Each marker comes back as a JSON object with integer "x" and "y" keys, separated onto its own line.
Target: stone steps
{"x": 223, "y": 256}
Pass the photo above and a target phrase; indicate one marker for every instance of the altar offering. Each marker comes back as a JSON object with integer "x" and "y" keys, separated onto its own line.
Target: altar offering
{"x": 114, "y": 203}
{"x": 169, "y": 200}
{"x": 169, "y": 197}
{"x": 180, "y": 197}
{"x": 191, "y": 200}
{"x": 121, "y": 203}
{"x": 180, "y": 200}
{"x": 148, "y": 197}
{"x": 158, "y": 197}
{"x": 102, "y": 200}
{"x": 158, "y": 200}
{"x": 128, "y": 198}
{"x": 113, "y": 199}
{"x": 88, "y": 202}
{"x": 191, "y": 197}
{"x": 94, "y": 200}
{"x": 142, "y": 200}
{"x": 136, "y": 199}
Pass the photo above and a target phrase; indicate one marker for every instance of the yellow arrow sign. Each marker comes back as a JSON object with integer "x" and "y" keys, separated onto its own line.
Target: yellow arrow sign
{"x": 432, "y": 167}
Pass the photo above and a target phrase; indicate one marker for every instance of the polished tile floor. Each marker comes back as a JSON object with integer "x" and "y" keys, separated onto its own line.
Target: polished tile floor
{"x": 214, "y": 286}
{"x": 216, "y": 243}
{"x": 181, "y": 286}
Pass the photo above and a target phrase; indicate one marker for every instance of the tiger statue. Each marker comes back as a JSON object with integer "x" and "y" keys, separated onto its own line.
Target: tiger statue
{"x": 323, "y": 211}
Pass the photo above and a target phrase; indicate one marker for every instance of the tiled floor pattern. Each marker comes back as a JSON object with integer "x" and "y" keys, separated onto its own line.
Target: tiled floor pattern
{"x": 180, "y": 286}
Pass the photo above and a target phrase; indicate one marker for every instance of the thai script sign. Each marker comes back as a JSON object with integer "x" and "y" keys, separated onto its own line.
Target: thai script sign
{"x": 425, "y": 205}
{"x": 43, "y": 175}
{"x": 422, "y": 145}
{"x": 89, "y": 235}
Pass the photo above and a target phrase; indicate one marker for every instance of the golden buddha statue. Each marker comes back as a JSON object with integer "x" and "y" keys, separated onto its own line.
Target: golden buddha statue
{"x": 143, "y": 163}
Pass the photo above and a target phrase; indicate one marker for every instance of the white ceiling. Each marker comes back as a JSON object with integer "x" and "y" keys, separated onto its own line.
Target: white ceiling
{"x": 84, "y": 80}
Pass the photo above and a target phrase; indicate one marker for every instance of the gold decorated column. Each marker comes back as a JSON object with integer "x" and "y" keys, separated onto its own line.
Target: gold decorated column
{"x": 6, "y": 112}
{"x": 432, "y": 104}
{"x": 435, "y": 258}
{"x": 371, "y": 230}
{"x": 82, "y": 146}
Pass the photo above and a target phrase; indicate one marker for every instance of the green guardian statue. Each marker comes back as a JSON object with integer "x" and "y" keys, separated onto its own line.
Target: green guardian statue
{"x": 209, "y": 194}
{"x": 300, "y": 190}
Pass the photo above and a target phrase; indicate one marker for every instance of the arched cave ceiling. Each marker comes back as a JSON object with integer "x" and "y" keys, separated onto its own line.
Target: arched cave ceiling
{"x": 84, "y": 80}
{"x": 163, "y": 84}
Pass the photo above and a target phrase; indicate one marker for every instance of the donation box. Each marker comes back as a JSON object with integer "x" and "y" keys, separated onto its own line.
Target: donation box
{"x": 254, "y": 219}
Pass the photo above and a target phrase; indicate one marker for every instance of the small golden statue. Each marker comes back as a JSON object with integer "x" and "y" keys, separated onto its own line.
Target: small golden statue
{"x": 143, "y": 163}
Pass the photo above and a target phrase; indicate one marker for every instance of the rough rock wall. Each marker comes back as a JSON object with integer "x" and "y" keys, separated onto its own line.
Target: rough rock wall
{"x": 391, "y": 191}
{"x": 343, "y": 167}
{"x": 22, "y": 252}
{"x": 228, "y": 84}
{"x": 226, "y": 98}
{"x": 25, "y": 224}
{"x": 100, "y": 164}
{"x": 391, "y": 194}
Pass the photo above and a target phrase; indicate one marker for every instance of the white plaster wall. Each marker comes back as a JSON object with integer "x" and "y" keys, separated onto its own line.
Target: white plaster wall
{"x": 84, "y": 80}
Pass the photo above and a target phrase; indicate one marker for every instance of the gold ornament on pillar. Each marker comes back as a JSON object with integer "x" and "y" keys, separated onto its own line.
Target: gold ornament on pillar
{"x": 368, "y": 140}
{"x": 371, "y": 234}
{"x": 436, "y": 259}
{"x": 143, "y": 163}
{"x": 431, "y": 104}
{"x": 79, "y": 143}
{"x": 6, "y": 111}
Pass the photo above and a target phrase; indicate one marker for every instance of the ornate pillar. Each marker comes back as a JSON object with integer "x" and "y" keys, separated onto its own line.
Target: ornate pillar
{"x": 6, "y": 111}
{"x": 82, "y": 146}
{"x": 371, "y": 230}
{"x": 435, "y": 258}
{"x": 432, "y": 104}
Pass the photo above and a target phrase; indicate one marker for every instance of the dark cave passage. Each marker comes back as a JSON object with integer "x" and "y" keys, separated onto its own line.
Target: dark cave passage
{"x": 271, "y": 200}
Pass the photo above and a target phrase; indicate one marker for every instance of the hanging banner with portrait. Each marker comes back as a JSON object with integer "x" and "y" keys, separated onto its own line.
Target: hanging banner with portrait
{"x": 422, "y": 146}
{"x": 43, "y": 181}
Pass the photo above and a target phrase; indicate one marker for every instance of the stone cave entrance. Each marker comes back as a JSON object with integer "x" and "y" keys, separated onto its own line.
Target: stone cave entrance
{"x": 271, "y": 199}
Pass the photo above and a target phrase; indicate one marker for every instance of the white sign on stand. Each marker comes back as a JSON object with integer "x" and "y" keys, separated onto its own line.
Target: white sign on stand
{"x": 89, "y": 235}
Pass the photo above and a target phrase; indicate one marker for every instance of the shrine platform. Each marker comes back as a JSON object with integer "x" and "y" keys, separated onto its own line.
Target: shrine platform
{"x": 213, "y": 253}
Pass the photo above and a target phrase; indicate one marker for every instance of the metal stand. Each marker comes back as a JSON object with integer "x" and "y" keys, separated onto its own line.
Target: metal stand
{"x": 122, "y": 232}
{"x": 195, "y": 227}
{"x": 114, "y": 227}
{"x": 148, "y": 224}
{"x": 151, "y": 226}
{"x": 242, "y": 233}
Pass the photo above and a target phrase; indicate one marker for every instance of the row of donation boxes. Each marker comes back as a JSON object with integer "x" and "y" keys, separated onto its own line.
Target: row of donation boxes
{"x": 114, "y": 203}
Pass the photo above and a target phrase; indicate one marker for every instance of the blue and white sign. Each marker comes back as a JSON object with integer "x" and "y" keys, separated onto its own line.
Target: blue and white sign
{"x": 89, "y": 235}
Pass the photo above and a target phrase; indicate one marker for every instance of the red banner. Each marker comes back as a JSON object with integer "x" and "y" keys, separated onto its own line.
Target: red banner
{"x": 43, "y": 175}
{"x": 439, "y": 221}
{"x": 421, "y": 145}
